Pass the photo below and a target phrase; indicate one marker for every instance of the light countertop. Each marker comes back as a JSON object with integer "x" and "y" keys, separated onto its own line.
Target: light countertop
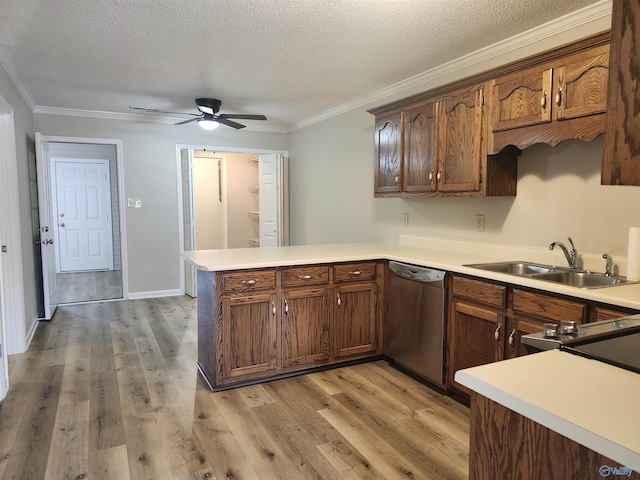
{"x": 590, "y": 402}
{"x": 436, "y": 253}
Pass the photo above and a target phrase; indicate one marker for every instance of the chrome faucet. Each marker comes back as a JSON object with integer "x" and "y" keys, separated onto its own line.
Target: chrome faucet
{"x": 608, "y": 262}
{"x": 571, "y": 255}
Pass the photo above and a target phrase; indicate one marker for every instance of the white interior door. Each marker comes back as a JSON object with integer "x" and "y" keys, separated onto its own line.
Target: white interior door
{"x": 271, "y": 200}
{"x": 188, "y": 219}
{"x": 46, "y": 226}
{"x": 82, "y": 211}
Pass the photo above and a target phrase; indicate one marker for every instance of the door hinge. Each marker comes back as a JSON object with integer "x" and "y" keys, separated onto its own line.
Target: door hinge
{"x": 4, "y": 249}
{"x": 0, "y": 350}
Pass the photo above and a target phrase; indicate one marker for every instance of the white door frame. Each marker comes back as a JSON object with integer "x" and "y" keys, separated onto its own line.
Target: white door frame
{"x": 14, "y": 320}
{"x": 222, "y": 151}
{"x": 106, "y": 203}
{"x": 121, "y": 195}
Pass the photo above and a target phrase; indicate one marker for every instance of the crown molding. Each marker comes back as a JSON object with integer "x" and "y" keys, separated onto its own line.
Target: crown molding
{"x": 134, "y": 117}
{"x": 460, "y": 67}
{"x": 10, "y": 68}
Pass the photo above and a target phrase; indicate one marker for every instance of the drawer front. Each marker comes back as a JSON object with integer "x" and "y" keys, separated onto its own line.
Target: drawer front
{"x": 247, "y": 281}
{"x": 297, "y": 276}
{"x": 548, "y": 308}
{"x": 480, "y": 291}
{"x": 354, "y": 272}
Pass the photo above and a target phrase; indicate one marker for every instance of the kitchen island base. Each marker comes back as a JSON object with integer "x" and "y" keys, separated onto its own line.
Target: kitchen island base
{"x": 506, "y": 445}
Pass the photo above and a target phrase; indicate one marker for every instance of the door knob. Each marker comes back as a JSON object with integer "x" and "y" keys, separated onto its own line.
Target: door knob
{"x": 48, "y": 241}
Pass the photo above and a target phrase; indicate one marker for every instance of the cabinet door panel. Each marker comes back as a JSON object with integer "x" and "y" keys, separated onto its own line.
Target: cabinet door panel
{"x": 305, "y": 326}
{"x": 521, "y": 99}
{"x": 581, "y": 84}
{"x": 355, "y": 320}
{"x": 621, "y": 155}
{"x": 249, "y": 335}
{"x": 420, "y": 149}
{"x": 389, "y": 153}
{"x": 460, "y": 141}
{"x": 475, "y": 337}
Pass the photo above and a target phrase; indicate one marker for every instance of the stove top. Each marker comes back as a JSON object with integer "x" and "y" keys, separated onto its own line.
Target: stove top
{"x": 616, "y": 342}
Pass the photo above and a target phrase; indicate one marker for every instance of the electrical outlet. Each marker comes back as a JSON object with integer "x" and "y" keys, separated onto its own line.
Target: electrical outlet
{"x": 134, "y": 202}
{"x": 480, "y": 223}
{"x": 405, "y": 219}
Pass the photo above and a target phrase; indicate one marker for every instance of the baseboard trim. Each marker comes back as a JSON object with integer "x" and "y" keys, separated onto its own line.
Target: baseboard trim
{"x": 155, "y": 294}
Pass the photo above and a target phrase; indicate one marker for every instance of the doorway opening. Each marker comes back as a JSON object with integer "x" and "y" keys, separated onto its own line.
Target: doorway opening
{"x": 231, "y": 198}
{"x": 84, "y": 221}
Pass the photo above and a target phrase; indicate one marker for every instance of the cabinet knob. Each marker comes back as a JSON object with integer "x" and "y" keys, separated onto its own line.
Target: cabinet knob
{"x": 543, "y": 101}
{"x": 439, "y": 174}
{"x": 496, "y": 334}
{"x": 511, "y": 337}
{"x": 273, "y": 309}
{"x": 286, "y": 307}
{"x": 397, "y": 179}
{"x": 431, "y": 177}
{"x": 339, "y": 300}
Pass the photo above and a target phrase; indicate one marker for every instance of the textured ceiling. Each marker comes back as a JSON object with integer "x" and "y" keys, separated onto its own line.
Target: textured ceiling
{"x": 287, "y": 59}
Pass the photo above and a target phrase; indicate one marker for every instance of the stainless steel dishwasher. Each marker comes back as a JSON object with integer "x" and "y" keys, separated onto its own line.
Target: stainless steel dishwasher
{"x": 416, "y": 320}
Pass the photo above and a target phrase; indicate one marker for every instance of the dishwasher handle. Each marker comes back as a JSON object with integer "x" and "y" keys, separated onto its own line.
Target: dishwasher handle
{"x": 418, "y": 274}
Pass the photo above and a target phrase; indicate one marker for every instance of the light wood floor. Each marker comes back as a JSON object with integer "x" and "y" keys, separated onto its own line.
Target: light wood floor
{"x": 109, "y": 390}
{"x": 89, "y": 286}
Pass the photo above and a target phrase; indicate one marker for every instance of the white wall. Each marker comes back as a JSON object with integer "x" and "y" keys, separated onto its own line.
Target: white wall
{"x": 558, "y": 188}
{"x": 150, "y": 173}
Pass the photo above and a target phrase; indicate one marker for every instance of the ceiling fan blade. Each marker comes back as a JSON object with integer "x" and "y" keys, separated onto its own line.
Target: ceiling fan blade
{"x": 229, "y": 123}
{"x": 155, "y": 110}
{"x": 242, "y": 116}
{"x": 188, "y": 121}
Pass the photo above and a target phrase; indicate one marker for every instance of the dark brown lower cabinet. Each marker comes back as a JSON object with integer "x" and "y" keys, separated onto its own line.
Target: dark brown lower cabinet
{"x": 305, "y": 327}
{"x": 355, "y": 320}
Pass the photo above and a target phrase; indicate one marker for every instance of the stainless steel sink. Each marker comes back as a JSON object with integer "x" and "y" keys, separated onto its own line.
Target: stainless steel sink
{"x": 514, "y": 268}
{"x": 582, "y": 279}
{"x": 549, "y": 273}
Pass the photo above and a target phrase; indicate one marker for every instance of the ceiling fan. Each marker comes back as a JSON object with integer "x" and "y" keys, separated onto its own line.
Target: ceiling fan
{"x": 208, "y": 118}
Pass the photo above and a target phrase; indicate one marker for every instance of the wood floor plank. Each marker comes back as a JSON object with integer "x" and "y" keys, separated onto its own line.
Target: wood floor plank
{"x": 109, "y": 464}
{"x": 31, "y": 450}
{"x": 146, "y": 453}
{"x": 106, "y": 428}
{"x": 68, "y": 456}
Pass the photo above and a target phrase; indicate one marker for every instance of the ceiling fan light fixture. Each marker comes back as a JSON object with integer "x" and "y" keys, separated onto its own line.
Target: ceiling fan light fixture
{"x": 208, "y": 124}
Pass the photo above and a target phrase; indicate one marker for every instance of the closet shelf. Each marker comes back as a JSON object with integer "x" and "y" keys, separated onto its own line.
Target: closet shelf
{"x": 254, "y": 215}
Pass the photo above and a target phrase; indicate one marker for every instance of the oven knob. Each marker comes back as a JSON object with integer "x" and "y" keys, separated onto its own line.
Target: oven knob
{"x": 568, "y": 328}
{"x": 549, "y": 330}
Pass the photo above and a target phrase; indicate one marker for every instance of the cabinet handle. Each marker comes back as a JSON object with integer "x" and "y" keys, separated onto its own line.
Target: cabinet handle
{"x": 286, "y": 307}
{"x": 355, "y": 273}
{"x": 305, "y": 277}
{"x": 397, "y": 179}
{"x": 543, "y": 101}
{"x": 559, "y": 97}
{"x": 496, "y": 334}
{"x": 249, "y": 283}
{"x": 339, "y": 300}
{"x": 511, "y": 337}
{"x": 273, "y": 309}
{"x": 431, "y": 177}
